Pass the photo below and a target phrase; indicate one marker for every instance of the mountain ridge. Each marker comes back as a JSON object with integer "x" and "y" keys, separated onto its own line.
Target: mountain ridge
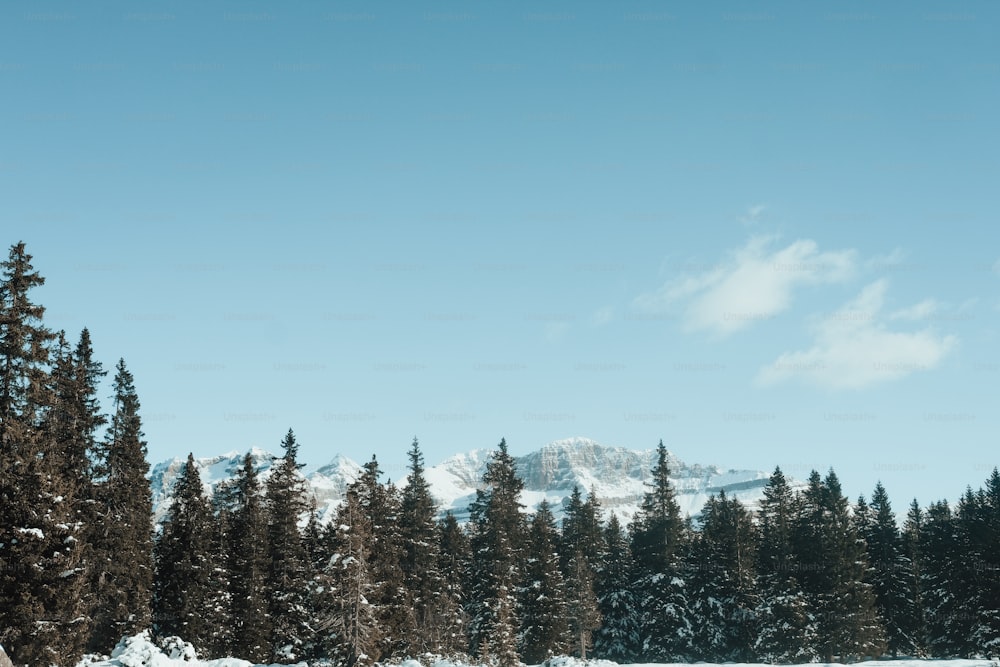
{"x": 617, "y": 475}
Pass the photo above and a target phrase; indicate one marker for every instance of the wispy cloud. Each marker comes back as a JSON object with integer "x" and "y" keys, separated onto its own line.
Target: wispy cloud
{"x": 755, "y": 283}
{"x": 854, "y": 349}
{"x": 602, "y": 316}
{"x": 752, "y": 214}
{"x": 916, "y": 312}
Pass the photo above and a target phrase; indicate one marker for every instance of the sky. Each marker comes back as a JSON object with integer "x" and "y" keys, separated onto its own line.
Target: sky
{"x": 765, "y": 233}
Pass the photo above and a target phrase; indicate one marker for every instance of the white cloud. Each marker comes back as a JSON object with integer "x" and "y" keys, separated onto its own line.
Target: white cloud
{"x": 890, "y": 260}
{"x": 916, "y": 312}
{"x": 752, "y": 214}
{"x": 853, "y": 349}
{"x": 755, "y": 283}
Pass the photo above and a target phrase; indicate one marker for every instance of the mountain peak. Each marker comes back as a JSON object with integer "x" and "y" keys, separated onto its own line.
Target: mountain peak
{"x": 618, "y": 475}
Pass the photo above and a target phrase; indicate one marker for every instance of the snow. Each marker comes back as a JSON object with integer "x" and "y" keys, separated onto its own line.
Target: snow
{"x": 34, "y": 532}
{"x": 139, "y": 651}
{"x": 618, "y": 475}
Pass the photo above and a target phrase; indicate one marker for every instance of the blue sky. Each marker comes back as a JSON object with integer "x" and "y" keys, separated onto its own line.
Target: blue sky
{"x": 765, "y": 233}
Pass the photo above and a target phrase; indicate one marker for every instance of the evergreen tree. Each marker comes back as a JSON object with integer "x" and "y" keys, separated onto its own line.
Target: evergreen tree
{"x": 348, "y": 629}
{"x": 583, "y": 614}
{"x": 381, "y": 506}
{"x": 289, "y": 575}
{"x": 497, "y": 561}
{"x": 42, "y": 563}
{"x": 618, "y": 637}
{"x": 833, "y": 573}
{"x": 183, "y": 550}
{"x": 545, "y": 632}
{"x": 247, "y": 563}
{"x": 943, "y": 584}
{"x": 786, "y": 628}
{"x": 658, "y": 537}
{"x": 122, "y": 534}
{"x": 581, "y": 550}
{"x": 891, "y": 574}
{"x": 913, "y": 550}
{"x": 723, "y": 582}
{"x": 66, "y": 482}
{"x": 432, "y": 608}
{"x": 985, "y": 540}
{"x": 454, "y": 565}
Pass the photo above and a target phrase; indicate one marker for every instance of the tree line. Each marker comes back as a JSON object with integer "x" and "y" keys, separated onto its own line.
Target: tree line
{"x": 252, "y": 572}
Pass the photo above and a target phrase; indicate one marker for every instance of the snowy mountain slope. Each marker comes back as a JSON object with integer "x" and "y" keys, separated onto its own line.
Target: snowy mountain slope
{"x": 618, "y": 476}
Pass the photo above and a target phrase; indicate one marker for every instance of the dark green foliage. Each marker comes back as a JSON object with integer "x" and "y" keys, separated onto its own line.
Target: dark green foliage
{"x": 246, "y": 557}
{"x": 786, "y": 627}
{"x": 122, "y": 534}
{"x": 890, "y": 574}
{"x": 184, "y": 568}
{"x": 658, "y": 538}
{"x": 912, "y": 539}
{"x": 723, "y": 582}
{"x": 545, "y": 632}
{"x": 289, "y": 567}
{"x": 498, "y": 532}
{"x": 833, "y": 573}
{"x": 454, "y": 559}
{"x": 347, "y": 624}
{"x": 42, "y": 553}
{"x": 618, "y": 637}
{"x": 434, "y": 607}
{"x": 381, "y": 506}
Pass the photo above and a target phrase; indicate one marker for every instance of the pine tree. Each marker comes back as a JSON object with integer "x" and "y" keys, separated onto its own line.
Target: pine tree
{"x": 497, "y": 561}
{"x": 786, "y": 628}
{"x": 583, "y": 614}
{"x": 658, "y": 537}
{"x": 723, "y": 582}
{"x": 943, "y": 584}
{"x": 545, "y": 632}
{"x": 985, "y": 637}
{"x": 288, "y": 578}
{"x": 381, "y": 506}
{"x": 890, "y": 575}
{"x": 184, "y": 567}
{"x": 247, "y": 563}
{"x": 67, "y": 482}
{"x": 454, "y": 557}
{"x": 423, "y": 581}
{"x": 834, "y": 573}
{"x": 348, "y": 628}
{"x": 122, "y": 534}
{"x": 913, "y": 550}
{"x": 581, "y": 549}
{"x": 617, "y": 639}
{"x": 39, "y": 522}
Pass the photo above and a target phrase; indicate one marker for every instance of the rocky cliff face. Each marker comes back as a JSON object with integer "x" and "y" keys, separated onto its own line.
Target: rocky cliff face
{"x": 618, "y": 476}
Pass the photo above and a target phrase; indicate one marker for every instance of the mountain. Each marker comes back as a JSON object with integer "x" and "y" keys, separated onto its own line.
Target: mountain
{"x": 618, "y": 476}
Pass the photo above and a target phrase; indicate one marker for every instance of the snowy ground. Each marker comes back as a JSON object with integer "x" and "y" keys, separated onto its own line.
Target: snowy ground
{"x": 139, "y": 651}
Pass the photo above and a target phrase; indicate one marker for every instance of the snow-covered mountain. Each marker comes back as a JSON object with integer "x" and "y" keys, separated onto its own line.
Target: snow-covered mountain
{"x": 618, "y": 476}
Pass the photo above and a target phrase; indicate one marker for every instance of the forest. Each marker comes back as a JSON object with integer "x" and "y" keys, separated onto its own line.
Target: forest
{"x": 251, "y": 572}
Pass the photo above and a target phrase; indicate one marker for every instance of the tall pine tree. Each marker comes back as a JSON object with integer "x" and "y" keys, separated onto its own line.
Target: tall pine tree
{"x": 289, "y": 575}
{"x": 658, "y": 539}
{"x": 545, "y": 632}
{"x": 890, "y": 574}
{"x": 498, "y": 532}
{"x": 122, "y": 535}
{"x": 786, "y": 626}
{"x": 618, "y": 637}
{"x": 184, "y": 567}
